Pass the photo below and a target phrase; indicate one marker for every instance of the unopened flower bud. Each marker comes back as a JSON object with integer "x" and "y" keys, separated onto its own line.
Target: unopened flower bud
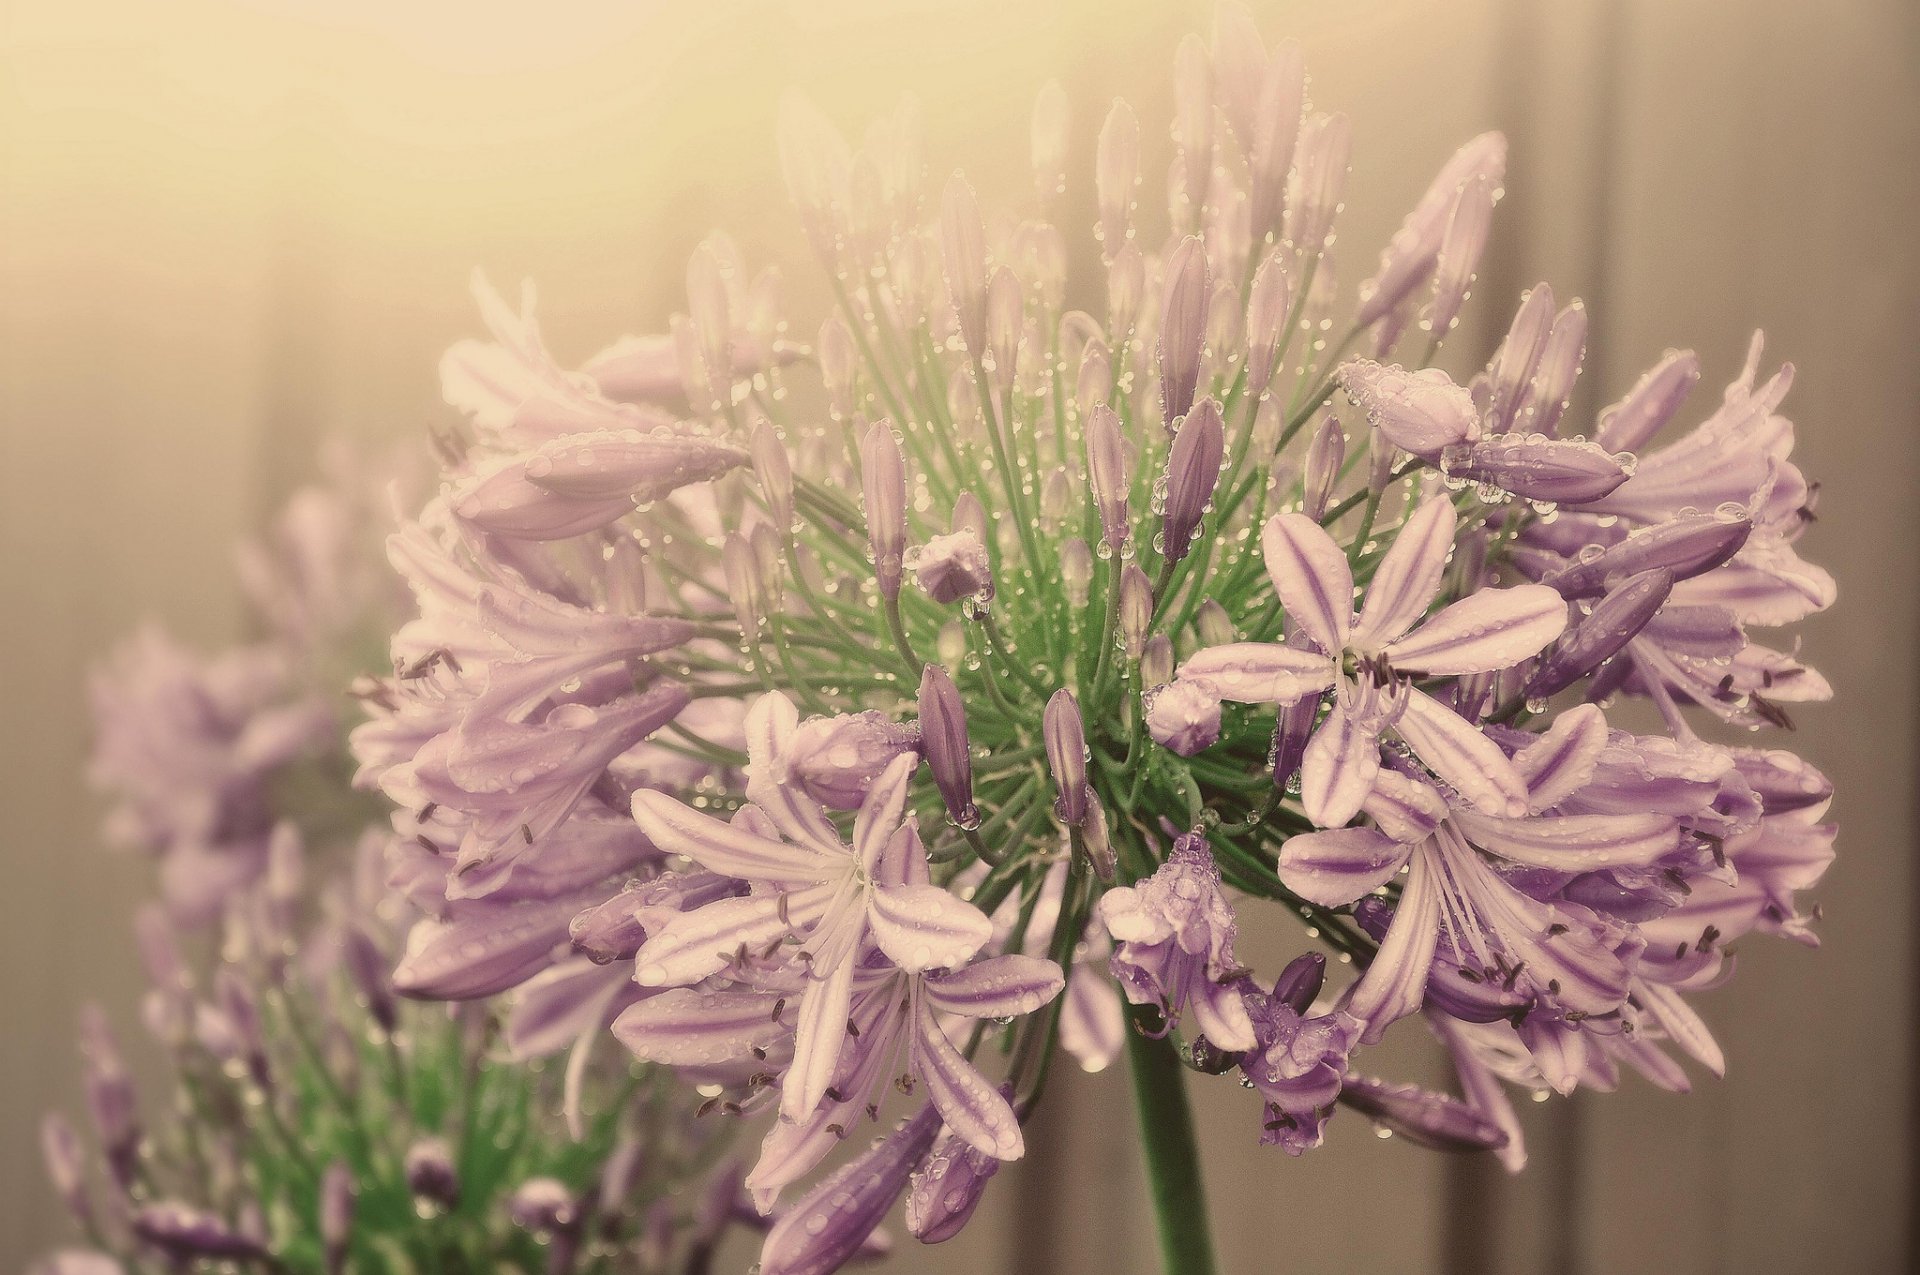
{"x": 1193, "y": 118}
{"x": 1156, "y": 661}
{"x": 1116, "y": 172}
{"x": 1214, "y": 625}
{"x": 1096, "y": 841}
{"x": 815, "y": 161}
{"x": 1107, "y": 474}
{"x": 1650, "y": 404}
{"x": 1268, "y": 308}
{"x": 1461, "y": 248}
{"x": 1066, "y": 741}
{"x": 111, "y": 1101}
{"x": 609, "y": 931}
{"x": 1686, "y": 546}
{"x": 769, "y": 556}
{"x": 1057, "y": 498}
{"x": 1415, "y": 248}
{"x": 1126, "y": 283}
{"x": 1319, "y": 181}
{"x": 544, "y": 1206}
{"x": 1076, "y": 571}
{"x": 952, "y": 567}
{"x": 742, "y": 574}
{"x": 1614, "y": 621}
{"x": 242, "y": 1011}
{"x": 1421, "y": 412}
{"x": 1326, "y": 453}
{"x": 839, "y": 365}
{"x": 1276, "y": 137}
{"x": 1422, "y": 1117}
{"x": 947, "y": 1187}
{"x": 836, "y": 759}
{"x": 1095, "y": 381}
{"x": 1546, "y": 395}
{"x": 827, "y": 1225}
{"x": 1226, "y": 331}
{"x": 187, "y": 1234}
{"x": 1136, "y": 609}
{"x": 1193, "y": 470}
{"x": 708, "y": 303}
{"x": 1183, "y": 718}
{"x": 883, "y": 485}
{"x": 1534, "y": 467}
{"x": 66, "y": 1164}
{"x": 774, "y": 469}
{"x": 963, "y": 256}
{"x": 1183, "y": 327}
{"x": 943, "y": 738}
{"x": 1519, "y": 354}
{"x": 431, "y": 1175}
{"x": 337, "y": 1194}
{"x": 1300, "y": 982}
{"x": 1048, "y": 139}
{"x": 1006, "y": 319}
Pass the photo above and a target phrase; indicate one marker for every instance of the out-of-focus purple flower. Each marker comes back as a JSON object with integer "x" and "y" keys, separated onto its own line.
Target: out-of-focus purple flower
{"x": 1175, "y": 945}
{"x": 337, "y": 1203}
{"x": 186, "y": 1234}
{"x": 431, "y": 1174}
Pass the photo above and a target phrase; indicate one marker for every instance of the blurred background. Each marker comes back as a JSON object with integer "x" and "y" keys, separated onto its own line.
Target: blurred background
{"x": 229, "y": 228}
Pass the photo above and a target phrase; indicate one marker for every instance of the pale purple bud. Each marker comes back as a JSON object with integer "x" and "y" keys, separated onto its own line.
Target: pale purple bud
{"x": 1226, "y": 328}
{"x": 187, "y": 1234}
{"x": 1057, "y": 502}
{"x": 947, "y": 1187}
{"x": 1183, "y": 327}
{"x": 943, "y": 738}
{"x": 242, "y": 1011}
{"x": 1291, "y": 731}
{"x": 707, "y": 301}
{"x": 774, "y": 469}
{"x": 337, "y": 1194}
{"x": 1461, "y": 249}
{"x": 620, "y": 1173}
{"x": 1686, "y": 546}
{"x": 1319, "y": 181}
{"x": 1183, "y": 718}
{"x": 1650, "y": 404}
{"x": 1278, "y": 139}
{"x": 1545, "y": 400}
{"x": 1116, "y": 172}
{"x": 697, "y": 384}
{"x": 1076, "y": 571}
{"x": 1136, "y": 609}
{"x": 1107, "y": 474}
{"x": 544, "y": 1206}
{"x": 1421, "y": 412}
{"x": 815, "y": 161}
{"x": 431, "y": 1175}
{"x": 1193, "y": 470}
{"x": 1326, "y": 453}
{"x": 111, "y": 1101}
{"x": 1532, "y": 466}
{"x": 66, "y": 1164}
{"x": 883, "y": 485}
{"x": 836, "y": 759}
{"x": 1300, "y": 982}
{"x": 1422, "y": 1117}
{"x": 1096, "y": 841}
{"x": 1268, "y": 307}
{"x": 827, "y": 1225}
{"x": 970, "y": 515}
{"x": 742, "y": 573}
{"x": 963, "y": 256}
{"x": 1214, "y": 625}
{"x": 1095, "y": 380}
{"x": 371, "y": 972}
{"x": 768, "y": 557}
{"x": 482, "y": 949}
{"x": 1193, "y": 117}
{"x": 1006, "y": 318}
{"x": 1048, "y": 141}
{"x": 1782, "y": 781}
{"x": 1156, "y": 661}
{"x": 1066, "y": 741}
{"x": 1126, "y": 284}
{"x": 1411, "y": 255}
{"x": 1519, "y": 354}
{"x": 609, "y": 931}
{"x": 839, "y": 366}
{"x": 953, "y": 567}
{"x": 1613, "y": 622}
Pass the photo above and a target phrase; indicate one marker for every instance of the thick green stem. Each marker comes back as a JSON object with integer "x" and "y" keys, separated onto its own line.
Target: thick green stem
{"x": 1173, "y": 1163}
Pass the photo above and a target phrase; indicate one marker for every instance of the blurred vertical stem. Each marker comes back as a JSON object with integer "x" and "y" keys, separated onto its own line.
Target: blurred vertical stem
{"x": 1173, "y": 1164}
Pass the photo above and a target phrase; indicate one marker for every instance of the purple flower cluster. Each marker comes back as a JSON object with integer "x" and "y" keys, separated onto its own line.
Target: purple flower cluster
{"x": 878, "y": 711}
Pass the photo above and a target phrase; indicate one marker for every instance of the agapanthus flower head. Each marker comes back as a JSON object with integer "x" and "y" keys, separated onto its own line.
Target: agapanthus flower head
{"x": 996, "y": 653}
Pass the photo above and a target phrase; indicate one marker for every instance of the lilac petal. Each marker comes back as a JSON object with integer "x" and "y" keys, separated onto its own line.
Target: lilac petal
{"x": 1336, "y": 866}
{"x": 1483, "y": 632}
{"x": 1421, "y": 1116}
{"x": 770, "y": 727}
{"x": 973, "y": 1108}
{"x": 1408, "y": 577}
{"x": 998, "y": 987}
{"x": 1531, "y": 466}
{"x": 817, "y": 1039}
{"x": 1683, "y": 1026}
{"x": 726, "y": 848}
{"x": 1406, "y": 809}
{"x": 1258, "y": 672}
{"x": 696, "y": 944}
{"x": 629, "y": 464}
{"x": 947, "y": 1188}
{"x": 1311, "y": 576}
{"x": 482, "y": 948}
{"x": 880, "y": 813}
{"x": 693, "y": 1027}
{"x": 1483, "y": 1090}
{"x": 1338, "y": 770}
{"x": 1687, "y": 546}
{"x": 1219, "y": 1011}
{"x": 552, "y": 1009}
{"x": 922, "y": 927}
{"x": 1561, "y": 761}
{"x": 1462, "y": 756}
{"x": 502, "y": 500}
{"x": 1574, "y": 843}
{"x": 1396, "y": 982}
{"x": 1650, "y": 404}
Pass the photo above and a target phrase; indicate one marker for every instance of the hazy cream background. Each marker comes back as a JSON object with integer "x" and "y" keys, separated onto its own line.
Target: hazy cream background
{"x": 227, "y": 229}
